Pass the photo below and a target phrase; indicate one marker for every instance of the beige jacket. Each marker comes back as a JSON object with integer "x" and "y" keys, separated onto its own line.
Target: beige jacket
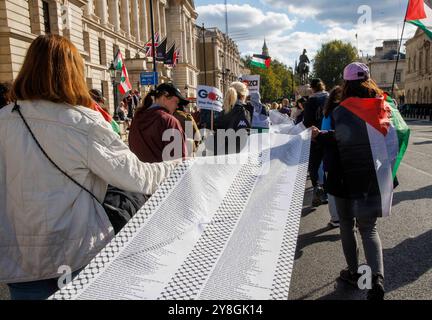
{"x": 46, "y": 221}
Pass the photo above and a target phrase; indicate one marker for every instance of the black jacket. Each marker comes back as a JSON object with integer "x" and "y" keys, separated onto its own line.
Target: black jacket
{"x": 313, "y": 109}
{"x": 240, "y": 117}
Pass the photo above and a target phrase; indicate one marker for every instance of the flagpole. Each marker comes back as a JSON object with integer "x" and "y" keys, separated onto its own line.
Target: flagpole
{"x": 152, "y": 37}
{"x": 398, "y": 53}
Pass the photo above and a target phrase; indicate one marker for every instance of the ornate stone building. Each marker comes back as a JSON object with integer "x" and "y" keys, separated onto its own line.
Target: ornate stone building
{"x": 418, "y": 84}
{"x": 382, "y": 67}
{"x": 211, "y": 55}
{"x": 99, "y": 28}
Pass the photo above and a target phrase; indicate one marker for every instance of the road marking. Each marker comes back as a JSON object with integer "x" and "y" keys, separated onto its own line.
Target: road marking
{"x": 420, "y": 171}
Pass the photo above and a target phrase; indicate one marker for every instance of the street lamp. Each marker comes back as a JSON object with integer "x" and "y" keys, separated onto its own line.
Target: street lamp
{"x": 370, "y": 67}
{"x": 113, "y": 75}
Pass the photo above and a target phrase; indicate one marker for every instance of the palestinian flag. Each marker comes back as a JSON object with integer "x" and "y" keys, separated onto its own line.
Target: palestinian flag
{"x": 260, "y": 61}
{"x": 115, "y": 126}
{"x": 419, "y": 13}
{"x": 372, "y": 138}
{"x": 124, "y": 85}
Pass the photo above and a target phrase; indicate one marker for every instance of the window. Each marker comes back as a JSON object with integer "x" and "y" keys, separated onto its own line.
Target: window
{"x": 398, "y": 76}
{"x": 86, "y": 38}
{"x": 421, "y": 62}
{"x": 115, "y": 50}
{"x": 102, "y": 52}
{"x": 46, "y": 17}
{"x": 127, "y": 54}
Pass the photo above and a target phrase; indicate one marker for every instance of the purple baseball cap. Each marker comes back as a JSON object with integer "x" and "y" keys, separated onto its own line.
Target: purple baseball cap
{"x": 356, "y": 71}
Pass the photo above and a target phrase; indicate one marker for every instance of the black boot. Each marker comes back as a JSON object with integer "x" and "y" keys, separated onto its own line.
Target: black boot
{"x": 377, "y": 291}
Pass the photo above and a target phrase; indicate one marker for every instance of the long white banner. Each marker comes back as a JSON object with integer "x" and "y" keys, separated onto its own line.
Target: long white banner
{"x": 224, "y": 229}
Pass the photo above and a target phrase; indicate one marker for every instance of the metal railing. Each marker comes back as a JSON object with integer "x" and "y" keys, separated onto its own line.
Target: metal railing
{"x": 416, "y": 111}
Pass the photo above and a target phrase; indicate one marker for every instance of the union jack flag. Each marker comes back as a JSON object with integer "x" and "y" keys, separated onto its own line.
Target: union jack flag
{"x": 148, "y": 45}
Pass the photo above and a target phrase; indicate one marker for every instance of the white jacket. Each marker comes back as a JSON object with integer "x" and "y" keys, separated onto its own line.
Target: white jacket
{"x": 47, "y": 221}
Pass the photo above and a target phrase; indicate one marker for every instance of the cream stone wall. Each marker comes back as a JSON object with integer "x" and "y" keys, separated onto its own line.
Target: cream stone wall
{"x": 418, "y": 85}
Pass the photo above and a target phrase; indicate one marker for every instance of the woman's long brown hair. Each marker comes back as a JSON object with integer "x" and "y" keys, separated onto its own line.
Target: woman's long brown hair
{"x": 53, "y": 70}
{"x": 361, "y": 89}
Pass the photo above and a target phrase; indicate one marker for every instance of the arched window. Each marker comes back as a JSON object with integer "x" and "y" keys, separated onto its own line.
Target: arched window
{"x": 426, "y": 95}
{"x": 408, "y": 98}
{"x": 414, "y": 96}
{"x": 419, "y": 96}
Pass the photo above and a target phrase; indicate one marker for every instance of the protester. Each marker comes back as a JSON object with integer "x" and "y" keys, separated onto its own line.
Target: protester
{"x": 5, "y": 89}
{"x": 297, "y": 114}
{"x": 190, "y": 128}
{"x": 260, "y": 117}
{"x": 274, "y": 106}
{"x": 330, "y": 151}
{"x": 153, "y": 120}
{"x": 312, "y": 116}
{"x": 350, "y": 178}
{"x": 237, "y": 115}
{"x": 286, "y": 108}
{"x": 99, "y": 102}
{"x": 46, "y": 219}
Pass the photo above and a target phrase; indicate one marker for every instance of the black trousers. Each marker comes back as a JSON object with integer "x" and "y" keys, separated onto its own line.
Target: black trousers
{"x": 315, "y": 159}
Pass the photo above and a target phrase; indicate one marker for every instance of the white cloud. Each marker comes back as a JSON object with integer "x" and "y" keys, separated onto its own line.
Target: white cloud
{"x": 249, "y": 25}
{"x": 244, "y": 20}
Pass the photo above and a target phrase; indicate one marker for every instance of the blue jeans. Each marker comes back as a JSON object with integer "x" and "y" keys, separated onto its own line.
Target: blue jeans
{"x": 35, "y": 290}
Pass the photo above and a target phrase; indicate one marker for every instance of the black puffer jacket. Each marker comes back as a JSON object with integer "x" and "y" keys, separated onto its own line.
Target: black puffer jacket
{"x": 313, "y": 109}
{"x": 239, "y": 118}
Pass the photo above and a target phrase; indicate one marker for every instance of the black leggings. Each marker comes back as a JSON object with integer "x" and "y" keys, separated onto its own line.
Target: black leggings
{"x": 315, "y": 159}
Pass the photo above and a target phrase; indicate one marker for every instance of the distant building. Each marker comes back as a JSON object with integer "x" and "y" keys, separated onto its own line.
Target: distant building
{"x": 98, "y": 28}
{"x": 382, "y": 67}
{"x": 211, "y": 53}
{"x": 418, "y": 85}
{"x": 265, "y": 51}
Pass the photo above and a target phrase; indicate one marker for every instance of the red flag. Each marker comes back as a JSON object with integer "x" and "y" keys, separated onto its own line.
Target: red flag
{"x": 415, "y": 10}
{"x": 148, "y": 45}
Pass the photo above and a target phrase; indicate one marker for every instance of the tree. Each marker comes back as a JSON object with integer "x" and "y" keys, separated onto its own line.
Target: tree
{"x": 331, "y": 60}
{"x": 276, "y": 81}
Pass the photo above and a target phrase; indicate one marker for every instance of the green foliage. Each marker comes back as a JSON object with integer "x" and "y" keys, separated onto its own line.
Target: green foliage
{"x": 331, "y": 60}
{"x": 276, "y": 81}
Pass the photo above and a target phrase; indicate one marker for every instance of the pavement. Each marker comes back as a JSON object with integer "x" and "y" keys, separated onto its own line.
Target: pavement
{"x": 406, "y": 237}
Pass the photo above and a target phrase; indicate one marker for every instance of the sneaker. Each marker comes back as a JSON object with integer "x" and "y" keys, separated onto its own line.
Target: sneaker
{"x": 377, "y": 292}
{"x": 316, "y": 200}
{"x": 324, "y": 198}
{"x": 349, "y": 277}
{"x": 333, "y": 224}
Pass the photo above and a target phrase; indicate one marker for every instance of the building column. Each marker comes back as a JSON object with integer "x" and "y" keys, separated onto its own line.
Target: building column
{"x": 184, "y": 44}
{"x": 135, "y": 20}
{"x": 163, "y": 17}
{"x": 125, "y": 17}
{"x": 102, "y": 11}
{"x": 143, "y": 20}
{"x": 114, "y": 14}
{"x": 89, "y": 8}
{"x": 192, "y": 38}
{"x": 158, "y": 15}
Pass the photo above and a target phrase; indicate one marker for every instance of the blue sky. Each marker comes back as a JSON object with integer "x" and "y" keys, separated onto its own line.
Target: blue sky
{"x": 291, "y": 25}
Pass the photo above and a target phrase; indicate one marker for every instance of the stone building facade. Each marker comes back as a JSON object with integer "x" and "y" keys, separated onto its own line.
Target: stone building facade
{"x": 418, "y": 84}
{"x": 210, "y": 58}
{"x": 382, "y": 67}
{"x": 98, "y": 28}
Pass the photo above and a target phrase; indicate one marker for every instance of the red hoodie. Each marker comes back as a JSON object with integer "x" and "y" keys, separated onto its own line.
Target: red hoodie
{"x": 145, "y": 134}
